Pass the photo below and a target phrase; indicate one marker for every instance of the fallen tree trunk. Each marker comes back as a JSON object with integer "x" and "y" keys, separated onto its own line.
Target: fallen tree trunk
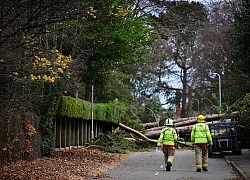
{"x": 153, "y": 134}
{"x": 151, "y": 141}
{"x": 150, "y": 125}
{"x": 192, "y": 121}
{"x": 184, "y": 119}
{"x": 184, "y": 124}
{"x": 154, "y": 129}
{"x": 145, "y": 138}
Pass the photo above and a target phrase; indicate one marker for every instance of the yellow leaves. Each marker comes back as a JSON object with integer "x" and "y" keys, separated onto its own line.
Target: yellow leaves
{"x": 50, "y": 69}
{"x": 60, "y": 70}
{"x": 45, "y": 77}
{"x": 41, "y": 62}
{"x": 120, "y": 12}
{"x": 62, "y": 61}
{"x": 15, "y": 73}
{"x": 91, "y": 12}
{"x": 91, "y": 9}
{"x": 32, "y": 77}
{"x": 32, "y": 131}
{"x": 55, "y": 51}
{"x": 48, "y": 78}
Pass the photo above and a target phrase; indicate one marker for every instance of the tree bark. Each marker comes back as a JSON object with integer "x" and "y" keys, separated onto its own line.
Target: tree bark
{"x": 145, "y": 138}
{"x": 192, "y": 120}
{"x": 150, "y": 125}
{"x": 184, "y": 124}
{"x": 184, "y": 94}
{"x": 88, "y": 92}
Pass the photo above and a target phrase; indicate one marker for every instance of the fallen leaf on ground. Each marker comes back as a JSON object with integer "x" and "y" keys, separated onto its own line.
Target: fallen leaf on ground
{"x": 74, "y": 164}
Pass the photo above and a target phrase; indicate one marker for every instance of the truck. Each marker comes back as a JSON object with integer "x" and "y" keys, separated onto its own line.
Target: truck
{"x": 226, "y": 137}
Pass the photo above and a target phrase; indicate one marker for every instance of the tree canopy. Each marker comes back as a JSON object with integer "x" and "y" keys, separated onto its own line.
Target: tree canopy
{"x": 133, "y": 51}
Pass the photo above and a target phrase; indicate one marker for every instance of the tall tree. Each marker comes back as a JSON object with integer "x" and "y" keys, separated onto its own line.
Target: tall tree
{"x": 178, "y": 25}
{"x": 31, "y": 79}
{"x": 116, "y": 38}
{"x": 241, "y": 37}
{"x": 209, "y": 52}
{"x": 214, "y": 48}
{"x": 241, "y": 48}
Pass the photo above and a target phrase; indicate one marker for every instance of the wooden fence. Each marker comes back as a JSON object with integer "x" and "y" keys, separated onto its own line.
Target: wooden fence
{"x": 75, "y": 132}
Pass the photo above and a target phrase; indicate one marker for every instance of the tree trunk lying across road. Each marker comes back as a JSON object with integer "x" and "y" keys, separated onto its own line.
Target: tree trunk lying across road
{"x": 184, "y": 124}
{"x": 192, "y": 120}
{"x": 152, "y": 141}
{"x": 142, "y": 136}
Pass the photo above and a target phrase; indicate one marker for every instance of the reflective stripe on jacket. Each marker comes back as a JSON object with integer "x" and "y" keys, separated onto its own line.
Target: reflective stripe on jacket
{"x": 168, "y": 136}
{"x": 200, "y": 134}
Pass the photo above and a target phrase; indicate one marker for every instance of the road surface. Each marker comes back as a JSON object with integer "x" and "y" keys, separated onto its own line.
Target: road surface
{"x": 149, "y": 166}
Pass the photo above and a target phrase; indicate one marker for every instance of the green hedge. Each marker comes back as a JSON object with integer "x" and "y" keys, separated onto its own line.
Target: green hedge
{"x": 78, "y": 108}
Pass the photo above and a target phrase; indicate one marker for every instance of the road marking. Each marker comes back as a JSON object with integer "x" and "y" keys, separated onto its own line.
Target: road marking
{"x": 158, "y": 172}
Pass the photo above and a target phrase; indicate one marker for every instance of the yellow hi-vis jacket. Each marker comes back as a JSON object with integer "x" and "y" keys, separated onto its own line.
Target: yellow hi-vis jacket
{"x": 168, "y": 137}
{"x": 200, "y": 134}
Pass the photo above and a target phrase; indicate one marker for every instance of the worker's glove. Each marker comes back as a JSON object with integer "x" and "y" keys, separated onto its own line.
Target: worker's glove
{"x": 158, "y": 149}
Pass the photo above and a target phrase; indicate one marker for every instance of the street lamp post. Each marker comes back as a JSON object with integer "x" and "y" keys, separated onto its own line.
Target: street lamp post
{"x": 92, "y": 113}
{"x": 219, "y": 89}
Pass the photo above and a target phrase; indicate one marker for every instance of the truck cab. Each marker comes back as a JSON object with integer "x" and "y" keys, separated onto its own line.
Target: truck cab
{"x": 225, "y": 135}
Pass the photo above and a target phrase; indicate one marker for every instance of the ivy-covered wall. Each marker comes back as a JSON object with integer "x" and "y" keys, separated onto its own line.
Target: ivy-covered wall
{"x": 77, "y": 108}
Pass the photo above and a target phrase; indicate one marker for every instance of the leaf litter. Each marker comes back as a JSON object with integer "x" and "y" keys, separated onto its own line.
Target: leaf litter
{"x": 73, "y": 164}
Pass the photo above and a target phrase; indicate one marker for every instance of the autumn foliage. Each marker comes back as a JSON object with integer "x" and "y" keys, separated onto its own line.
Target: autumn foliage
{"x": 67, "y": 164}
{"x": 27, "y": 132}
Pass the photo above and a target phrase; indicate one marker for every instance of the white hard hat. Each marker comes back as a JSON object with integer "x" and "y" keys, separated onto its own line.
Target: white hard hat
{"x": 169, "y": 122}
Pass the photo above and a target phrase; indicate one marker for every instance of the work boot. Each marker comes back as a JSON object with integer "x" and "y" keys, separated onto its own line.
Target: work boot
{"x": 198, "y": 170}
{"x": 168, "y": 167}
{"x": 204, "y": 169}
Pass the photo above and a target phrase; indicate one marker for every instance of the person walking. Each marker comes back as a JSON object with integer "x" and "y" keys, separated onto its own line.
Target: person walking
{"x": 201, "y": 139}
{"x": 166, "y": 141}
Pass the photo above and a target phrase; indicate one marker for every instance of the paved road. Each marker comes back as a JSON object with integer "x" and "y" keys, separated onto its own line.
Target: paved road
{"x": 241, "y": 163}
{"x": 149, "y": 166}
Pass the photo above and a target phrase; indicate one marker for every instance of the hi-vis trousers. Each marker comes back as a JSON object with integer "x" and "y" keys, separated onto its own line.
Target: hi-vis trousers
{"x": 169, "y": 152}
{"x": 201, "y": 156}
